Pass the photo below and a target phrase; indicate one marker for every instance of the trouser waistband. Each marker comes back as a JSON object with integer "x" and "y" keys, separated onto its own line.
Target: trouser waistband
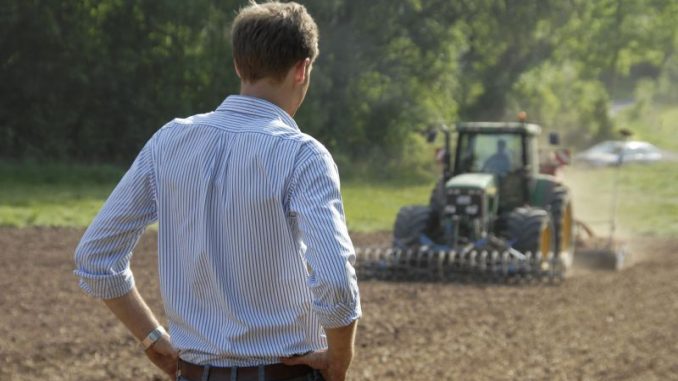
{"x": 272, "y": 372}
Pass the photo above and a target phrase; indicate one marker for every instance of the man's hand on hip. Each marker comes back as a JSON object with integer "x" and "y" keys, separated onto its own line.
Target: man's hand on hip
{"x": 320, "y": 361}
{"x": 333, "y": 363}
{"x": 163, "y": 355}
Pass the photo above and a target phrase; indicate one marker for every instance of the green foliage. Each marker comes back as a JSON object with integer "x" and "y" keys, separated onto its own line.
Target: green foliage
{"x": 87, "y": 80}
{"x": 416, "y": 164}
{"x": 90, "y": 80}
{"x": 378, "y": 82}
{"x": 577, "y": 109}
{"x": 667, "y": 91}
{"x": 657, "y": 124}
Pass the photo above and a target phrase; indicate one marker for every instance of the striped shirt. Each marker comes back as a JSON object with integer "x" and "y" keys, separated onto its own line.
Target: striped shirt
{"x": 253, "y": 251}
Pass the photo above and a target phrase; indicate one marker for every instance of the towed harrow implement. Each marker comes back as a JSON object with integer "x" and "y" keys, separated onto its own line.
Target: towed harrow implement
{"x": 426, "y": 264}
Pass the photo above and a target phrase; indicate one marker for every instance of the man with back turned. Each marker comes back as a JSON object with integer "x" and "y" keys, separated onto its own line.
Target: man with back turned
{"x": 255, "y": 261}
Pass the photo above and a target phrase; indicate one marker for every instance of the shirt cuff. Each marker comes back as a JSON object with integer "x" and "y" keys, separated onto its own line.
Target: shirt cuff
{"x": 338, "y": 315}
{"x": 107, "y": 286}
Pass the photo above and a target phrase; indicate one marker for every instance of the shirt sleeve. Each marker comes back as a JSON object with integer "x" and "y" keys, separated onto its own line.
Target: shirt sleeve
{"x": 102, "y": 259}
{"x": 316, "y": 200}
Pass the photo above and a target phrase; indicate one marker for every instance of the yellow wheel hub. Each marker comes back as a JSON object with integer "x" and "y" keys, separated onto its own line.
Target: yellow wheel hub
{"x": 566, "y": 230}
{"x": 545, "y": 246}
{"x": 545, "y": 241}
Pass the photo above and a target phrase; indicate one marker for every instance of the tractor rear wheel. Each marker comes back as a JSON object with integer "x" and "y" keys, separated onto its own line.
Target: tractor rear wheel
{"x": 531, "y": 231}
{"x": 412, "y": 221}
{"x": 560, "y": 207}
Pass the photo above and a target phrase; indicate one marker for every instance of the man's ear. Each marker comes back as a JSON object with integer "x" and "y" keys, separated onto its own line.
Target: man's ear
{"x": 237, "y": 72}
{"x": 301, "y": 71}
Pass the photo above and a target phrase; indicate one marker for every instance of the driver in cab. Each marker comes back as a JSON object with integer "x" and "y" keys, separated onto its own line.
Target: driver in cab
{"x": 500, "y": 162}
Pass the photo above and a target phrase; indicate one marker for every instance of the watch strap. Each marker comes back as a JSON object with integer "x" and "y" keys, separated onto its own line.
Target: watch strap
{"x": 153, "y": 336}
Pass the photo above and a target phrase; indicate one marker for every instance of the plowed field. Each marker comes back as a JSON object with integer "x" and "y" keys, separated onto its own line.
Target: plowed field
{"x": 597, "y": 325}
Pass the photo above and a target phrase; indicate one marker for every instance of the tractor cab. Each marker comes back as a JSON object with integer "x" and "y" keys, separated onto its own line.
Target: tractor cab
{"x": 507, "y": 151}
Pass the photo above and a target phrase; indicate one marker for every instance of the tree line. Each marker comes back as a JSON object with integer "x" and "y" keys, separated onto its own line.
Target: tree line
{"x": 90, "y": 81}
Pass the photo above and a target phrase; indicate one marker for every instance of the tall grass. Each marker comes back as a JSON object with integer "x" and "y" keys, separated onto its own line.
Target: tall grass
{"x": 646, "y": 198}
{"x": 71, "y": 195}
{"x": 67, "y": 195}
{"x": 34, "y": 194}
{"x": 373, "y": 207}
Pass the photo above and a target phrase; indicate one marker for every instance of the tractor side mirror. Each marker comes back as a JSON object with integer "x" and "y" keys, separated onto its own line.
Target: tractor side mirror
{"x": 431, "y": 135}
{"x": 554, "y": 139}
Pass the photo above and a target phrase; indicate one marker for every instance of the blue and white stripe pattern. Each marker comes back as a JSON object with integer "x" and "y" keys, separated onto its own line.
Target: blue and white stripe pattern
{"x": 254, "y": 254}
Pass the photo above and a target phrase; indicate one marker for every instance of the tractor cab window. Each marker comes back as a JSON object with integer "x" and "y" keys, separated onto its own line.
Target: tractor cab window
{"x": 499, "y": 154}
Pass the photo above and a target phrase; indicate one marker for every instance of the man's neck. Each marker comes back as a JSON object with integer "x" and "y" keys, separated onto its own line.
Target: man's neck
{"x": 264, "y": 89}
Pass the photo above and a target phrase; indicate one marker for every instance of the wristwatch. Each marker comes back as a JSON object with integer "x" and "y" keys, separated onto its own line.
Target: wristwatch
{"x": 153, "y": 336}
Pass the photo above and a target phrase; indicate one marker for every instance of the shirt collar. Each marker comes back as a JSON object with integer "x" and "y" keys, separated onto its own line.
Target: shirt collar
{"x": 256, "y": 106}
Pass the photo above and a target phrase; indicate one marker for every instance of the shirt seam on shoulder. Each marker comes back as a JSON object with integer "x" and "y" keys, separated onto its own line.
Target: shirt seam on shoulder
{"x": 299, "y": 136}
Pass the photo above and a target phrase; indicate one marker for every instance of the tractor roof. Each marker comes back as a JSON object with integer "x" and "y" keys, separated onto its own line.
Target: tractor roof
{"x": 499, "y": 127}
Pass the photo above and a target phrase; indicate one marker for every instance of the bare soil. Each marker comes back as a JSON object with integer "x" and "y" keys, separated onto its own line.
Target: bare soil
{"x": 597, "y": 325}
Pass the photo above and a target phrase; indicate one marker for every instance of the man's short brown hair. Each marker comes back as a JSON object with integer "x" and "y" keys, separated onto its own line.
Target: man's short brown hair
{"x": 269, "y": 38}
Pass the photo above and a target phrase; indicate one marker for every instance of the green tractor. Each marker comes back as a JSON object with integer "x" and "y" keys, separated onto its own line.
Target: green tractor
{"x": 493, "y": 198}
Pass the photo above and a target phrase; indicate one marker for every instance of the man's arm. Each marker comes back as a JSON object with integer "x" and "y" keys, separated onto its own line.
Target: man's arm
{"x": 340, "y": 348}
{"x": 133, "y": 312}
{"x": 103, "y": 256}
{"x": 316, "y": 199}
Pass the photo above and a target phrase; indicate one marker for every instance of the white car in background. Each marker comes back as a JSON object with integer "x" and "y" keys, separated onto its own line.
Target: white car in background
{"x": 615, "y": 152}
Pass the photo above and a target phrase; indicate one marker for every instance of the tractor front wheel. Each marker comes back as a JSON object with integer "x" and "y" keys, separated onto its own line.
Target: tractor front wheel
{"x": 411, "y": 223}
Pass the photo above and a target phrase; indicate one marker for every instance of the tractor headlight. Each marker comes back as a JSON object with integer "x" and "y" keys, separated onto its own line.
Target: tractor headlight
{"x": 463, "y": 199}
{"x": 450, "y": 209}
{"x": 472, "y": 209}
{"x": 464, "y": 202}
